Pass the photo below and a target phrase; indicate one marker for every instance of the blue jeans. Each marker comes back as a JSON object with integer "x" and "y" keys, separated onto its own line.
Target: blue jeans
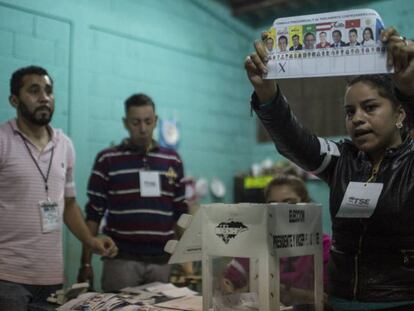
{"x": 17, "y": 297}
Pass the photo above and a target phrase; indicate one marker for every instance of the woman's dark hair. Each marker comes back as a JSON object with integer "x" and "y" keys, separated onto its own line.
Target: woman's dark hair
{"x": 382, "y": 82}
{"x": 387, "y": 89}
{"x": 292, "y": 181}
{"x": 370, "y": 32}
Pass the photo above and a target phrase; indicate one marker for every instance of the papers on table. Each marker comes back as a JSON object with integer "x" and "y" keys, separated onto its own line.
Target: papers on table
{"x": 160, "y": 287}
{"x": 164, "y": 289}
{"x": 179, "y": 292}
{"x": 239, "y": 301}
{"x": 98, "y": 301}
{"x": 139, "y": 298}
{"x": 191, "y": 303}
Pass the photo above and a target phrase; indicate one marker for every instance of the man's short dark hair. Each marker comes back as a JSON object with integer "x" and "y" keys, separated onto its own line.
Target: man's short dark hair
{"x": 138, "y": 100}
{"x": 309, "y": 34}
{"x": 354, "y": 31}
{"x": 295, "y": 36}
{"x": 16, "y": 80}
{"x": 282, "y": 38}
{"x": 337, "y": 31}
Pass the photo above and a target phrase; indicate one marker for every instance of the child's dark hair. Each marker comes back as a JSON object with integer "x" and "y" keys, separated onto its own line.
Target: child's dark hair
{"x": 293, "y": 181}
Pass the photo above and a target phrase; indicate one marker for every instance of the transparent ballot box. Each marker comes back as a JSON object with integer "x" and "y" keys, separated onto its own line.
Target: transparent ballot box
{"x": 265, "y": 257}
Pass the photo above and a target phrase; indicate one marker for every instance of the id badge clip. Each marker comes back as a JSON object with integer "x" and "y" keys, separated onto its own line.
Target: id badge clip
{"x": 360, "y": 200}
{"x": 149, "y": 184}
{"x": 49, "y": 213}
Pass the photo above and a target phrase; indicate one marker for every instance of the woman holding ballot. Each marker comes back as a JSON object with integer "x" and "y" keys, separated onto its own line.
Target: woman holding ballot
{"x": 371, "y": 178}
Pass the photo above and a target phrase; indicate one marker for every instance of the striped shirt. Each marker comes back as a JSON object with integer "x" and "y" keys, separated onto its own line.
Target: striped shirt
{"x": 27, "y": 255}
{"x": 138, "y": 225}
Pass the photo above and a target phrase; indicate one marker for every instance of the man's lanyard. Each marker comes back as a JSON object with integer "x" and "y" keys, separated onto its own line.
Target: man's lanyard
{"x": 45, "y": 178}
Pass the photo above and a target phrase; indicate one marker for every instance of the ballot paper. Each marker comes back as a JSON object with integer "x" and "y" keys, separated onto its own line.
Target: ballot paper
{"x": 160, "y": 287}
{"x": 98, "y": 302}
{"x": 240, "y": 302}
{"x": 329, "y": 44}
{"x": 143, "y": 287}
{"x": 190, "y": 303}
{"x": 141, "y": 294}
{"x": 178, "y": 292}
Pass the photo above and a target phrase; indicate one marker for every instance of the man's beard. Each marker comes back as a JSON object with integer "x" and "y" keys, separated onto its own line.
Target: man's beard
{"x": 36, "y": 117}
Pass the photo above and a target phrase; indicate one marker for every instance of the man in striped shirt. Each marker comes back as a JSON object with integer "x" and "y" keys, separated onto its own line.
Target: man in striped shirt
{"x": 37, "y": 194}
{"x": 137, "y": 186}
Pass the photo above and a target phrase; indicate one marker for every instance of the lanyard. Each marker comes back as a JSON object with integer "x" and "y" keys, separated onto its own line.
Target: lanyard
{"x": 374, "y": 173}
{"x": 45, "y": 178}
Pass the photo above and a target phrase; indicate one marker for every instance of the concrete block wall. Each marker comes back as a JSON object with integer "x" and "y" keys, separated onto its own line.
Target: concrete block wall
{"x": 26, "y": 39}
{"x": 186, "y": 54}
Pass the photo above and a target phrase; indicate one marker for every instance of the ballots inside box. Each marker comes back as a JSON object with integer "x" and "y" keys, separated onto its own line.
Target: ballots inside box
{"x": 266, "y": 235}
{"x": 268, "y": 238}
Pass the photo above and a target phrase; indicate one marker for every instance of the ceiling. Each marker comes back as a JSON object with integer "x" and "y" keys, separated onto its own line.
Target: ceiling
{"x": 261, "y": 13}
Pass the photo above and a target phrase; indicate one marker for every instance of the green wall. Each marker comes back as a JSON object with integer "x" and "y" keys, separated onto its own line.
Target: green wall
{"x": 186, "y": 54}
